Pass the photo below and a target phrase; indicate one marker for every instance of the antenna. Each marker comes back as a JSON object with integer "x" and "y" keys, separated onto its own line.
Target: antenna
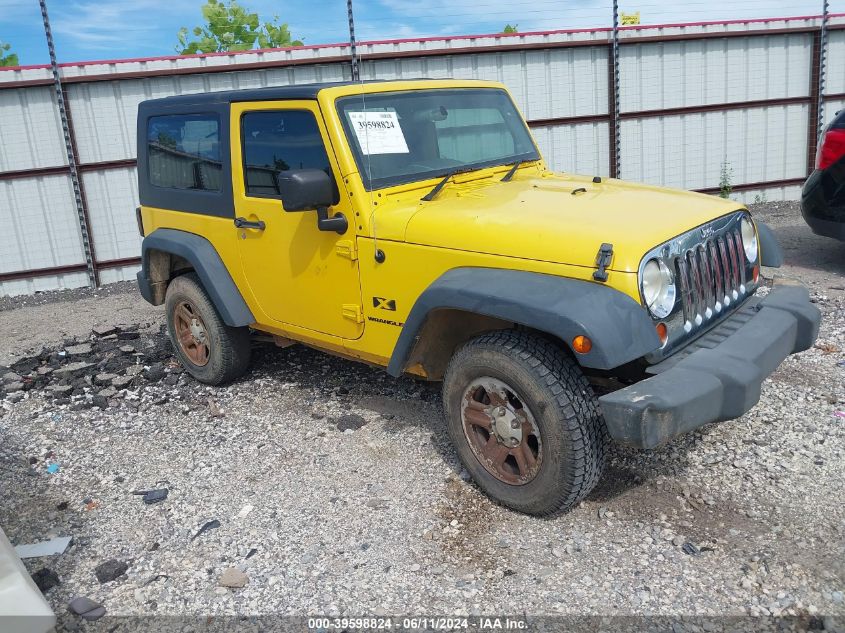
{"x": 356, "y": 76}
{"x": 352, "y": 50}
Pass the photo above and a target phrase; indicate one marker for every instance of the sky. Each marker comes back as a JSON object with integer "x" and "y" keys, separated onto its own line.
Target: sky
{"x": 87, "y": 30}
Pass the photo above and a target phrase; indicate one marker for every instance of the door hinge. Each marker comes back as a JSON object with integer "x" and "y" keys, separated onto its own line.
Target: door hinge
{"x": 347, "y": 249}
{"x": 352, "y": 311}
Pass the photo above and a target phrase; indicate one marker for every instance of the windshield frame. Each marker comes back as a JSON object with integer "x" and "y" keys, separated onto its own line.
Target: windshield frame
{"x": 423, "y": 176}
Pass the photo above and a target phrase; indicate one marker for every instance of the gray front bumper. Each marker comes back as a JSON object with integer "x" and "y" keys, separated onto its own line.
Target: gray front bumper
{"x": 718, "y": 376}
{"x": 22, "y": 607}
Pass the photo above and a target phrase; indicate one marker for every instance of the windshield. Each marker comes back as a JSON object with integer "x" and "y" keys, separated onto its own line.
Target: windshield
{"x": 407, "y": 136}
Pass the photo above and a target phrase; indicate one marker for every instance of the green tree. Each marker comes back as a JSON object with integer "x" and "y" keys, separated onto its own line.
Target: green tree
{"x": 511, "y": 29}
{"x": 231, "y": 27}
{"x": 6, "y": 58}
{"x": 275, "y": 35}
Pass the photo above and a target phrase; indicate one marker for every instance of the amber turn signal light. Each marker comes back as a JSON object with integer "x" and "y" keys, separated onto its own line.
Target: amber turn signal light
{"x": 662, "y": 332}
{"x": 582, "y": 344}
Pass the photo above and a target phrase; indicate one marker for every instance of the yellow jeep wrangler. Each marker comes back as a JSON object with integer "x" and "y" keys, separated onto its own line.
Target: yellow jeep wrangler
{"x": 414, "y": 225}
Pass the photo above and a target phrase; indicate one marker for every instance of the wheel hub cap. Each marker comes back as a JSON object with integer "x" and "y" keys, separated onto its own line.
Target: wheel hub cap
{"x": 190, "y": 333}
{"x": 197, "y": 330}
{"x": 501, "y": 431}
{"x": 507, "y": 426}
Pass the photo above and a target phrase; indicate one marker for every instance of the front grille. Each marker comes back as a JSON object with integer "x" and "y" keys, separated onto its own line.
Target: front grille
{"x": 712, "y": 279}
{"x": 711, "y": 276}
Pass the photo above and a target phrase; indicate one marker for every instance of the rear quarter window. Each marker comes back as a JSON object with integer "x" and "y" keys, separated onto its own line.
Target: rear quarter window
{"x": 183, "y": 152}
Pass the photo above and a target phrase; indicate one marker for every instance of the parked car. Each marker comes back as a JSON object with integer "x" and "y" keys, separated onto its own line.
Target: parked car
{"x": 823, "y": 197}
{"x": 414, "y": 225}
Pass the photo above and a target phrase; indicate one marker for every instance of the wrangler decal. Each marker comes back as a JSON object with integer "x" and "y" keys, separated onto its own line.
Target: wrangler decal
{"x": 385, "y": 321}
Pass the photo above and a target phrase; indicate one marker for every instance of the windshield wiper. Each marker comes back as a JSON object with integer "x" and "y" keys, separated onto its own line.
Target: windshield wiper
{"x": 431, "y": 195}
{"x": 514, "y": 167}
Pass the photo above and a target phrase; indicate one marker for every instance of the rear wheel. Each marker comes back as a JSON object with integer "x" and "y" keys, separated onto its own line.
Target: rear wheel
{"x": 524, "y": 421}
{"x": 211, "y": 351}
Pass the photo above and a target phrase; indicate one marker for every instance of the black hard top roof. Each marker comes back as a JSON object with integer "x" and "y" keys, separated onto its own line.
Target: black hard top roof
{"x": 298, "y": 91}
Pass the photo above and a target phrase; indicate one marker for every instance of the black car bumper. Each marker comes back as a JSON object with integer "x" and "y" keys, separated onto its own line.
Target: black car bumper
{"x": 826, "y": 228}
{"x": 823, "y": 202}
{"x": 718, "y": 377}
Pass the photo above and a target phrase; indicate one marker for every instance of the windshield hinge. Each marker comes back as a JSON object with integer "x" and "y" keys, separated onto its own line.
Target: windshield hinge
{"x": 352, "y": 311}
{"x": 347, "y": 249}
{"x": 603, "y": 259}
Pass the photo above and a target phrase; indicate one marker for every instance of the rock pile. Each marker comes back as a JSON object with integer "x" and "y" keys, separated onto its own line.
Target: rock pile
{"x": 94, "y": 372}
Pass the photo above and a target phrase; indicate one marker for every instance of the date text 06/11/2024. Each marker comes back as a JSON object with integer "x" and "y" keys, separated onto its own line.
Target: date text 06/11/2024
{"x": 421, "y": 623}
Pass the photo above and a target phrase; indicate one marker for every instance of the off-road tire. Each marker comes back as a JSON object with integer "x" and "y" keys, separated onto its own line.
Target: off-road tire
{"x": 228, "y": 347}
{"x": 553, "y": 387}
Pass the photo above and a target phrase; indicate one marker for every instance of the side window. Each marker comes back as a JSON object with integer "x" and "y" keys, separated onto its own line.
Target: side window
{"x": 278, "y": 141}
{"x": 184, "y": 151}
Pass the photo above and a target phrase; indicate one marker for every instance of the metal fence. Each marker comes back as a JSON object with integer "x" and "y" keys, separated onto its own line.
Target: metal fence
{"x": 682, "y": 105}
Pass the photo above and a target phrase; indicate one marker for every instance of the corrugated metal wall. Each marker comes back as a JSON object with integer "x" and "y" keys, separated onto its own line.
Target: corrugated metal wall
{"x": 692, "y": 99}
{"x": 835, "y": 75}
{"x": 688, "y": 150}
{"x": 547, "y": 85}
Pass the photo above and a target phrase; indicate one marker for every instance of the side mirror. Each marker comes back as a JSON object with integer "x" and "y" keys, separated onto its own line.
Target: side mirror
{"x": 305, "y": 189}
{"x": 309, "y": 189}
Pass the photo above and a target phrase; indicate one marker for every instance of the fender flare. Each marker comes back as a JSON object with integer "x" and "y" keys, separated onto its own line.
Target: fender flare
{"x": 619, "y": 327}
{"x": 772, "y": 253}
{"x": 211, "y": 270}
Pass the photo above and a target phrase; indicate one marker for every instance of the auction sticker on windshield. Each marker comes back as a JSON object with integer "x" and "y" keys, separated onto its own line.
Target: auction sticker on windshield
{"x": 378, "y": 132}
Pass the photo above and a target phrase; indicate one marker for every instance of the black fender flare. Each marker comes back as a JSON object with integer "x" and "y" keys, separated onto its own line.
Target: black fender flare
{"x": 772, "y": 253}
{"x": 620, "y": 328}
{"x": 211, "y": 270}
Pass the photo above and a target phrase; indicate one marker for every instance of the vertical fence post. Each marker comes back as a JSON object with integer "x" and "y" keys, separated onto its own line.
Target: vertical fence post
{"x": 613, "y": 96}
{"x": 81, "y": 209}
{"x": 813, "y": 105}
{"x": 822, "y": 64}
{"x": 815, "y": 118}
{"x": 352, "y": 49}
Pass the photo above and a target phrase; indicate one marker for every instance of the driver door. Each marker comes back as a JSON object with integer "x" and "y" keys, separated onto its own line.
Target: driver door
{"x": 298, "y": 274}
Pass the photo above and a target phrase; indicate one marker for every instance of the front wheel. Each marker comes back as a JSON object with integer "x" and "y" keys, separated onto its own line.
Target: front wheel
{"x": 524, "y": 421}
{"x": 209, "y": 350}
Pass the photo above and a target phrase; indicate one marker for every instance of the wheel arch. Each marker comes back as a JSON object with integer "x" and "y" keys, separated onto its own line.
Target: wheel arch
{"x": 464, "y": 302}
{"x": 166, "y": 253}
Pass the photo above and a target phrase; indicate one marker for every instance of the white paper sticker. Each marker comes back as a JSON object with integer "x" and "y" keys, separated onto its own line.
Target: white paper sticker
{"x": 378, "y": 132}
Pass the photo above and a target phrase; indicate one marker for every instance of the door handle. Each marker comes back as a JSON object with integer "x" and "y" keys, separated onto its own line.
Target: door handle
{"x": 243, "y": 223}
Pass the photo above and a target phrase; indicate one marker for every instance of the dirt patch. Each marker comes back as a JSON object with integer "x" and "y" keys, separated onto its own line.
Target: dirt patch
{"x": 467, "y": 522}
{"x": 809, "y": 377}
{"x": 25, "y": 329}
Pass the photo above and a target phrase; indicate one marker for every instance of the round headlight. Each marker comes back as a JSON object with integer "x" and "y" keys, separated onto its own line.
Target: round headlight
{"x": 658, "y": 288}
{"x": 749, "y": 239}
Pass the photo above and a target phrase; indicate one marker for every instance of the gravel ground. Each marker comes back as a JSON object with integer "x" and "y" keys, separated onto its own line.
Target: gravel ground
{"x": 336, "y": 491}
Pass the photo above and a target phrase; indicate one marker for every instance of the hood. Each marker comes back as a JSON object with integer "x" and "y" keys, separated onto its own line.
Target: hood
{"x": 548, "y": 217}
